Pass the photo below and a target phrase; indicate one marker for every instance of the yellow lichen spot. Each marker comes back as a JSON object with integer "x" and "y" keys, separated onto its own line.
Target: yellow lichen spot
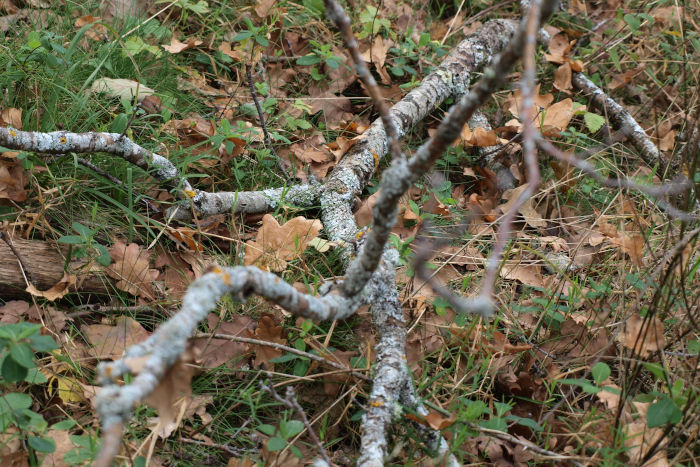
{"x": 376, "y": 161}
{"x": 226, "y": 278}
{"x": 190, "y": 193}
{"x": 376, "y": 404}
{"x": 108, "y": 372}
{"x": 62, "y": 140}
{"x": 217, "y": 270}
{"x": 360, "y": 234}
{"x": 13, "y": 133}
{"x": 403, "y": 357}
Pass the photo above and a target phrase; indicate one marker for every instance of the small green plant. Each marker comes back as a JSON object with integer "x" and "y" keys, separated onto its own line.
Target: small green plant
{"x": 256, "y": 33}
{"x": 84, "y": 245}
{"x": 18, "y": 345}
{"x": 320, "y": 53}
{"x": 280, "y": 437}
{"x": 372, "y": 24}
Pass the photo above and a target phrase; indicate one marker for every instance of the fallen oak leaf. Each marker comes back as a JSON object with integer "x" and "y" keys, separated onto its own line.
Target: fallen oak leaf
{"x": 131, "y": 269}
{"x": 176, "y": 46}
{"x": 110, "y": 342}
{"x": 434, "y": 420}
{"x": 276, "y": 244}
{"x": 59, "y": 290}
{"x": 643, "y": 336}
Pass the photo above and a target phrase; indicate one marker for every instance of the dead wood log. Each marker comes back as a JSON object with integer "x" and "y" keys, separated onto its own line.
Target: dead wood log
{"x": 45, "y": 262}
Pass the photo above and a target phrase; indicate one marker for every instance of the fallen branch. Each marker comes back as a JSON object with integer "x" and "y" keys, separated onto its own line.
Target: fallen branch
{"x": 621, "y": 119}
{"x": 204, "y": 203}
{"x": 45, "y": 264}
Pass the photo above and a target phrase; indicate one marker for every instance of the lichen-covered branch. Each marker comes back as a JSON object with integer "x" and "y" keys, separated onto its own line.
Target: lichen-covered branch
{"x": 621, "y": 119}
{"x": 398, "y": 178}
{"x": 205, "y": 203}
{"x": 451, "y": 78}
{"x": 167, "y": 344}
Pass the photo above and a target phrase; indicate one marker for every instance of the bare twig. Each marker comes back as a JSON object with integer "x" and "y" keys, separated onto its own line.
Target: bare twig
{"x": 98, "y": 170}
{"x": 286, "y": 348}
{"x": 261, "y": 116}
{"x": 679, "y": 184}
{"x": 205, "y": 203}
{"x": 527, "y": 86}
{"x": 290, "y": 401}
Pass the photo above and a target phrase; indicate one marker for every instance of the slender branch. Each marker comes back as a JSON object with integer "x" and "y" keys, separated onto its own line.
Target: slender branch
{"x": 286, "y": 348}
{"x": 261, "y": 116}
{"x": 398, "y": 178}
{"x": 205, "y": 203}
{"x": 98, "y": 170}
{"x": 657, "y": 192}
{"x": 342, "y": 21}
{"x": 527, "y": 86}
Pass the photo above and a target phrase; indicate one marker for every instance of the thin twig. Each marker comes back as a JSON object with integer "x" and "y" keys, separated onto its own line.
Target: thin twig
{"x": 261, "y": 116}
{"x": 115, "y": 180}
{"x": 551, "y": 455}
{"x": 677, "y": 185}
{"x": 285, "y": 348}
{"x": 290, "y": 401}
{"x": 527, "y": 86}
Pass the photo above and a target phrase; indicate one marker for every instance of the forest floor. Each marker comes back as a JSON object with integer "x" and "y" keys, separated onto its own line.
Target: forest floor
{"x": 592, "y": 355}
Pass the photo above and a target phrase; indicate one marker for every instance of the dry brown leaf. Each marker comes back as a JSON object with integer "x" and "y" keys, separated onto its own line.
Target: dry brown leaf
{"x": 515, "y": 101}
{"x": 262, "y": 7}
{"x": 377, "y": 52}
{"x": 643, "y": 336}
{"x": 13, "y": 311}
{"x": 557, "y": 117}
{"x": 559, "y": 48}
{"x": 434, "y": 419}
{"x": 59, "y": 290}
{"x": 175, "y": 46}
{"x": 109, "y": 342}
{"x": 13, "y": 181}
{"x": 172, "y": 395}
{"x": 63, "y": 445}
{"x": 609, "y": 398}
{"x": 479, "y": 137}
{"x": 215, "y": 352}
{"x": 340, "y": 146}
{"x": 639, "y": 439}
{"x": 633, "y": 245}
{"x": 267, "y": 331}
{"x": 323, "y": 98}
{"x": 531, "y": 216}
{"x": 620, "y": 79}
{"x": 131, "y": 269}
{"x": 363, "y": 215}
{"x": 527, "y": 274}
{"x": 225, "y": 48}
{"x": 98, "y": 32}
{"x": 562, "y": 78}
{"x": 11, "y": 117}
{"x": 276, "y": 244}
